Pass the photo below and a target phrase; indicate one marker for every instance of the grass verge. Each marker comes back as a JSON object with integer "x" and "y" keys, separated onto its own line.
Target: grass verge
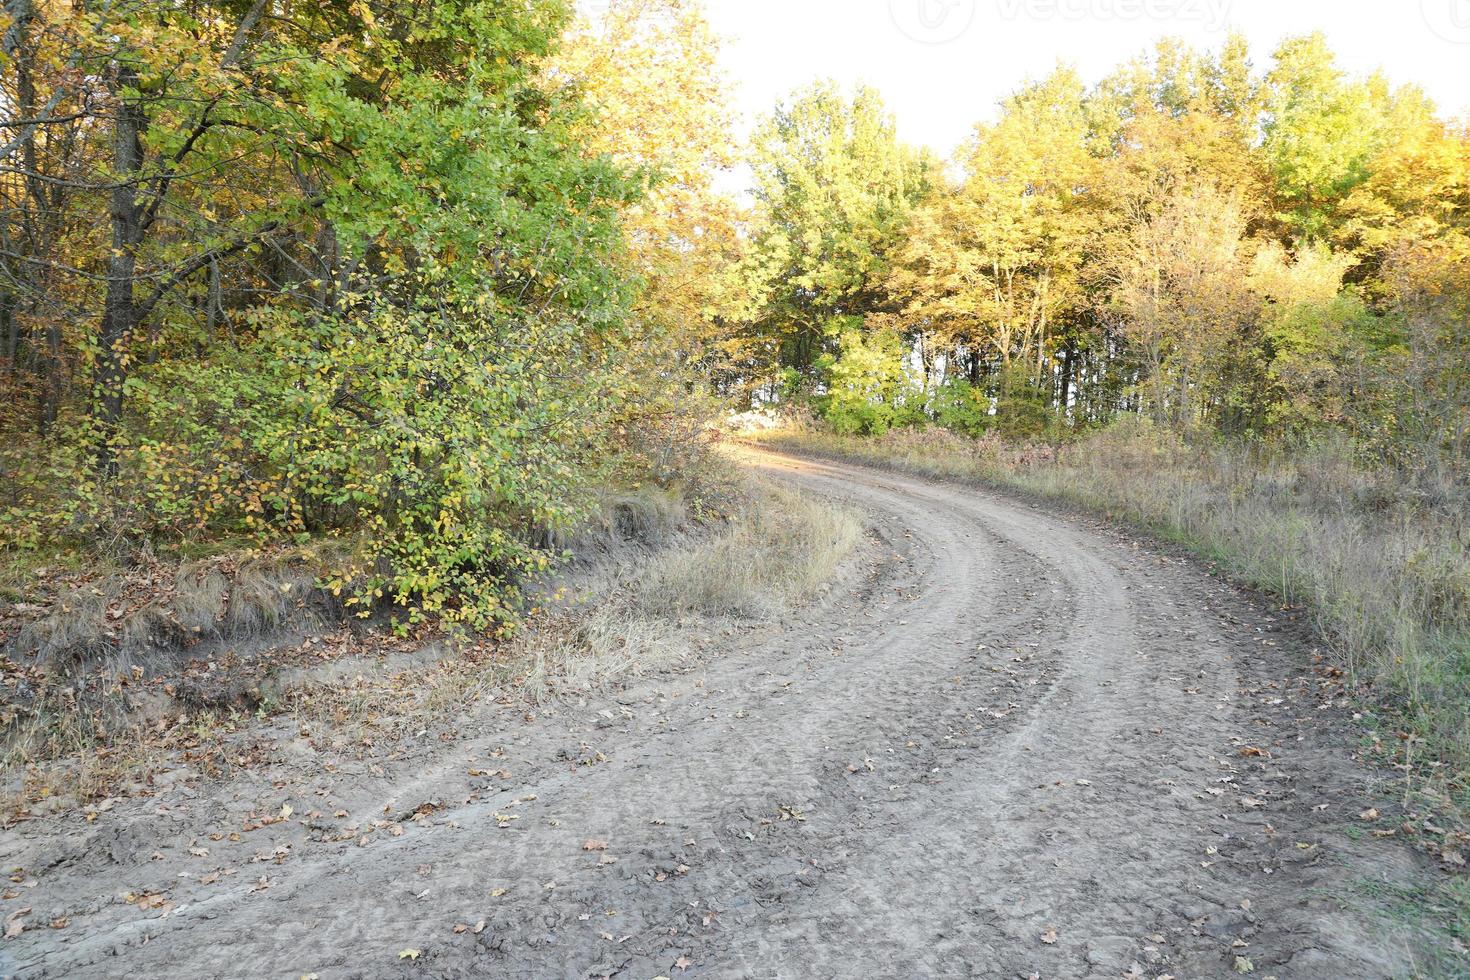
{"x": 634, "y": 617}
{"x": 653, "y": 580}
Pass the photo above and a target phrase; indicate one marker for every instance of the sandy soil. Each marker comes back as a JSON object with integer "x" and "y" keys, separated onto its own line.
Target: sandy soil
{"x": 1013, "y": 745}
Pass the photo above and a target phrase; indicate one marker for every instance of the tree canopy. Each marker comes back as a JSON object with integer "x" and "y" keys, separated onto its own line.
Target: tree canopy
{"x": 1257, "y": 252}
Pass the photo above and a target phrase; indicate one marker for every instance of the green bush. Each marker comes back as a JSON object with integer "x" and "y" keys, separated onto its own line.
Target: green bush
{"x": 869, "y": 392}
{"x": 961, "y": 407}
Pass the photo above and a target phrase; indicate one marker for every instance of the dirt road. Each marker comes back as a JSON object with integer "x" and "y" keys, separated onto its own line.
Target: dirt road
{"x": 1013, "y": 744}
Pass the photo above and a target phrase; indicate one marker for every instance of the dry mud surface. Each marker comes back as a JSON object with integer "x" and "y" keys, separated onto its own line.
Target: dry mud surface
{"x": 1012, "y": 744}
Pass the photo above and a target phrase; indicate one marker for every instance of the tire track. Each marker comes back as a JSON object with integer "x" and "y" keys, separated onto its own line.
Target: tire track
{"x": 1013, "y": 752}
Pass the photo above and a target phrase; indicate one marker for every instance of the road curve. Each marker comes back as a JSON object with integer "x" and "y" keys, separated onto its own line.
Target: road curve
{"x": 1015, "y": 744}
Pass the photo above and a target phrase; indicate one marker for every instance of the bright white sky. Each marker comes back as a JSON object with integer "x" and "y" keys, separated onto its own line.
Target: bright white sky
{"x": 941, "y": 65}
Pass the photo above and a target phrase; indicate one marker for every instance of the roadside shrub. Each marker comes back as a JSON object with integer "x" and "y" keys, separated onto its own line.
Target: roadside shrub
{"x": 961, "y": 407}
{"x": 440, "y": 436}
{"x": 1021, "y": 411}
{"x": 868, "y": 389}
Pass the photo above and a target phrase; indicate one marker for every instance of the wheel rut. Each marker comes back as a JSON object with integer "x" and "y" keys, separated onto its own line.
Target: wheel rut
{"x": 1015, "y": 750}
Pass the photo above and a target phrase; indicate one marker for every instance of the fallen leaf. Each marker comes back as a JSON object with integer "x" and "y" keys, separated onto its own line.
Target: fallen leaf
{"x": 410, "y": 954}
{"x": 1369, "y": 814}
{"x": 497, "y": 892}
{"x": 13, "y": 926}
{"x": 683, "y": 963}
{"x": 1243, "y": 965}
{"x": 1050, "y": 936}
{"x": 199, "y": 852}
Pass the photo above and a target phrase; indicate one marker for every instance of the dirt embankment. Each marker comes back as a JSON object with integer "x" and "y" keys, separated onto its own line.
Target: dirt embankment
{"x": 1011, "y": 745}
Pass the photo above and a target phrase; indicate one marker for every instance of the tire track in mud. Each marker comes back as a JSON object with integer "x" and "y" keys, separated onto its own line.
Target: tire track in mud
{"x": 1013, "y": 751}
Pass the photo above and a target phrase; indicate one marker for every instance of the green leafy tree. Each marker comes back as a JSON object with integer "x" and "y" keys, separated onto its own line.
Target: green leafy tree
{"x": 868, "y": 389}
{"x": 988, "y": 267}
{"x": 358, "y": 276}
{"x": 834, "y": 187}
{"x": 961, "y": 407}
{"x": 1315, "y": 332}
{"x": 1322, "y": 131}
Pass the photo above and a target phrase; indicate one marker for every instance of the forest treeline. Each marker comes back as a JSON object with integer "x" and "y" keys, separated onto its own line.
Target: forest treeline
{"x": 419, "y": 277}
{"x": 1252, "y": 251}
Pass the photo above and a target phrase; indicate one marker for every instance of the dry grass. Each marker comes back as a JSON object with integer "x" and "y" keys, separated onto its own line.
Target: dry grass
{"x": 635, "y": 618}
{"x": 130, "y": 617}
{"x": 655, "y": 585}
{"x": 777, "y": 553}
{"x": 645, "y": 518}
{"x": 774, "y": 554}
{"x": 72, "y": 714}
{"x": 1382, "y": 564}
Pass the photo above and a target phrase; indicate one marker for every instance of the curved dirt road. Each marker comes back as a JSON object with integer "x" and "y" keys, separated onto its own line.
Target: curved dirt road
{"x": 1012, "y": 744}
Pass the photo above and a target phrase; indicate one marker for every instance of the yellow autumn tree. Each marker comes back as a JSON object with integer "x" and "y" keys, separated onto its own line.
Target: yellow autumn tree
{"x": 649, "y": 72}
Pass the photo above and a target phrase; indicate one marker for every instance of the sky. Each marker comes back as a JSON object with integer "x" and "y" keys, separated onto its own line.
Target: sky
{"x": 942, "y": 65}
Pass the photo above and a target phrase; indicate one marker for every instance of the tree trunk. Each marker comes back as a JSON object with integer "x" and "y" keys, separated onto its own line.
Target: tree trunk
{"x": 1069, "y": 363}
{"x": 11, "y": 331}
{"x": 119, "y": 311}
{"x": 32, "y": 214}
{"x": 53, "y": 381}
